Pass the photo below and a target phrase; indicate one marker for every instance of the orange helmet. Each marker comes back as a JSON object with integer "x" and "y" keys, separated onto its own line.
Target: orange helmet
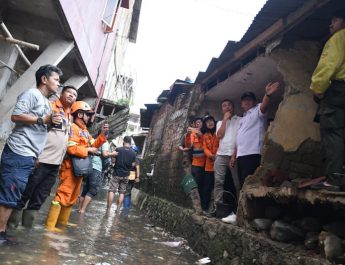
{"x": 81, "y": 105}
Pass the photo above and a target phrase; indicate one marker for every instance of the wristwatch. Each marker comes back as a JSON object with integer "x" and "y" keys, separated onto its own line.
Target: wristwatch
{"x": 40, "y": 121}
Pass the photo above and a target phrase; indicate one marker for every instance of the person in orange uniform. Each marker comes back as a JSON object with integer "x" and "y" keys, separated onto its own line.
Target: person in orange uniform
{"x": 81, "y": 144}
{"x": 210, "y": 145}
{"x": 194, "y": 140}
{"x": 47, "y": 167}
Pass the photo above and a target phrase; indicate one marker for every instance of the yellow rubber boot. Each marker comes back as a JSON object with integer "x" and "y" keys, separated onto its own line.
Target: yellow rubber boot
{"x": 64, "y": 216}
{"x": 52, "y": 217}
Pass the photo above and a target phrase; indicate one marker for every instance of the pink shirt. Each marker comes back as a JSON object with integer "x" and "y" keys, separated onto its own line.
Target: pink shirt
{"x": 250, "y": 135}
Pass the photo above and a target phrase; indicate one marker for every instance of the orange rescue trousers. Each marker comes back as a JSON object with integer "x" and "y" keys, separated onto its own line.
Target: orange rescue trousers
{"x": 69, "y": 188}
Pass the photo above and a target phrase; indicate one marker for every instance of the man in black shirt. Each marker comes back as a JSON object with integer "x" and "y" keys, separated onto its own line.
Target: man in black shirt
{"x": 125, "y": 160}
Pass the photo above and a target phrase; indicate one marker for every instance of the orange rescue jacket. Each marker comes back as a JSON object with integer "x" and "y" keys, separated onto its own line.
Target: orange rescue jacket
{"x": 80, "y": 139}
{"x": 210, "y": 145}
{"x": 196, "y": 143}
{"x": 66, "y": 115}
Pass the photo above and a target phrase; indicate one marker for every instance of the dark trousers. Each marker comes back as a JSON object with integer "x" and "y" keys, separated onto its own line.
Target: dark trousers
{"x": 199, "y": 175}
{"x": 332, "y": 124}
{"x": 247, "y": 166}
{"x": 92, "y": 184}
{"x": 207, "y": 189}
{"x": 39, "y": 186}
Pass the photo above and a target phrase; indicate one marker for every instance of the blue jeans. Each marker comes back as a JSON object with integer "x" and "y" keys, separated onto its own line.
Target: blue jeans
{"x": 14, "y": 174}
{"x": 92, "y": 184}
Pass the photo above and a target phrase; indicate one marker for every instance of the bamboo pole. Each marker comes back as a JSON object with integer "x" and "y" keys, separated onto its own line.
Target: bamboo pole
{"x": 19, "y": 42}
{"x": 8, "y": 34}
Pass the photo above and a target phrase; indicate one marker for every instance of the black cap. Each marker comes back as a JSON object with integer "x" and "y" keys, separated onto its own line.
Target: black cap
{"x": 250, "y": 95}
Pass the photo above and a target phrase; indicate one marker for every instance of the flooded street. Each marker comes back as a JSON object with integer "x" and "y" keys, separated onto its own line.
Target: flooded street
{"x": 125, "y": 238}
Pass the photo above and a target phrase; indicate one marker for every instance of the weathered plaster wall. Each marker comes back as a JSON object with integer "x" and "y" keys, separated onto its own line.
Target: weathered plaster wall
{"x": 166, "y": 131}
{"x": 292, "y": 142}
{"x": 211, "y": 107}
{"x": 9, "y": 55}
{"x": 294, "y": 119}
{"x": 157, "y": 128}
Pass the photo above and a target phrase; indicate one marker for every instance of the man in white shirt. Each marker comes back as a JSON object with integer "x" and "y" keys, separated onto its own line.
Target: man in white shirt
{"x": 250, "y": 135}
{"x": 251, "y": 132}
{"x": 226, "y": 132}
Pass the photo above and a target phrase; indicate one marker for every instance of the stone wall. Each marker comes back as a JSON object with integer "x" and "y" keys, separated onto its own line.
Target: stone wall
{"x": 166, "y": 131}
{"x": 222, "y": 243}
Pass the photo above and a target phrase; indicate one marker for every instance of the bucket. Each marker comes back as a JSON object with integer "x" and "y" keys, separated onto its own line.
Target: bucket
{"x": 188, "y": 183}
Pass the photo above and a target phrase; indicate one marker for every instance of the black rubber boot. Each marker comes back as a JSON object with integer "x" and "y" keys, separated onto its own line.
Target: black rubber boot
{"x": 15, "y": 218}
{"x": 29, "y": 217}
{"x": 3, "y": 238}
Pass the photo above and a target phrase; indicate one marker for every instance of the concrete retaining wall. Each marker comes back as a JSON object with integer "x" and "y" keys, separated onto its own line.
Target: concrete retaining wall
{"x": 222, "y": 243}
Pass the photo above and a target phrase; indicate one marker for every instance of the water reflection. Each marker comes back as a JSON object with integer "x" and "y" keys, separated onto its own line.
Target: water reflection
{"x": 100, "y": 238}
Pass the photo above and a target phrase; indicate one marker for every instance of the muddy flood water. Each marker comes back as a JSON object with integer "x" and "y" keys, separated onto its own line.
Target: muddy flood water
{"x": 124, "y": 238}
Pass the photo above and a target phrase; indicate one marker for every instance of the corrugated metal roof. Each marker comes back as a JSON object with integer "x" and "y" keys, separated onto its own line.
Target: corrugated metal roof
{"x": 163, "y": 96}
{"x": 179, "y": 86}
{"x": 147, "y": 114}
{"x": 271, "y": 12}
{"x": 228, "y": 50}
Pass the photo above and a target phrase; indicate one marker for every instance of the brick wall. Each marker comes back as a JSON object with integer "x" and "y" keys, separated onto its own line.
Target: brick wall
{"x": 166, "y": 131}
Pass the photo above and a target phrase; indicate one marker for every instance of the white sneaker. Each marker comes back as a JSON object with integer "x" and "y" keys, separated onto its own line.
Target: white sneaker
{"x": 230, "y": 219}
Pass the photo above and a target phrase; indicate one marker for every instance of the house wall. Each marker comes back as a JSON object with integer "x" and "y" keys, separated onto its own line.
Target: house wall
{"x": 292, "y": 144}
{"x": 95, "y": 46}
{"x": 117, "y": 67}
{"x": 166, "y": 131}
{"x": 292, "y": 139}
{"x": 9, "y": 56}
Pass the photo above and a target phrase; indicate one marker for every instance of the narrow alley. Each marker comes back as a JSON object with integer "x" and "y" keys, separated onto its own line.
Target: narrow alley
{"x": 126, "y": 238}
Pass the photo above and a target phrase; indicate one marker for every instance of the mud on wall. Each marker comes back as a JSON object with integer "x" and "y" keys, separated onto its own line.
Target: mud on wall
{"x": 292, "y": 142}
{"x": 166, "y": 131}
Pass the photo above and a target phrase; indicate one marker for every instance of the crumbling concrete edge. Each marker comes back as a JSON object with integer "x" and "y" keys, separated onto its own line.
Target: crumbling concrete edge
{"x": 222, "y": 243}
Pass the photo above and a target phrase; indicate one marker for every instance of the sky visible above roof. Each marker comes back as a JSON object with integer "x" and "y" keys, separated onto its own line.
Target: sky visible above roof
{"x": 178, "y": 38}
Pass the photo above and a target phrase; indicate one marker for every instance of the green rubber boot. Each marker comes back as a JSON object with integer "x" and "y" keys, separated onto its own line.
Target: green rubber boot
{"x": 29, "y": 217}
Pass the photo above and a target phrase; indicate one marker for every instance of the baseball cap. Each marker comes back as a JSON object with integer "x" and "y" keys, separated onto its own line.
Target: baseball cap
{"x": 250, "y": 95}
